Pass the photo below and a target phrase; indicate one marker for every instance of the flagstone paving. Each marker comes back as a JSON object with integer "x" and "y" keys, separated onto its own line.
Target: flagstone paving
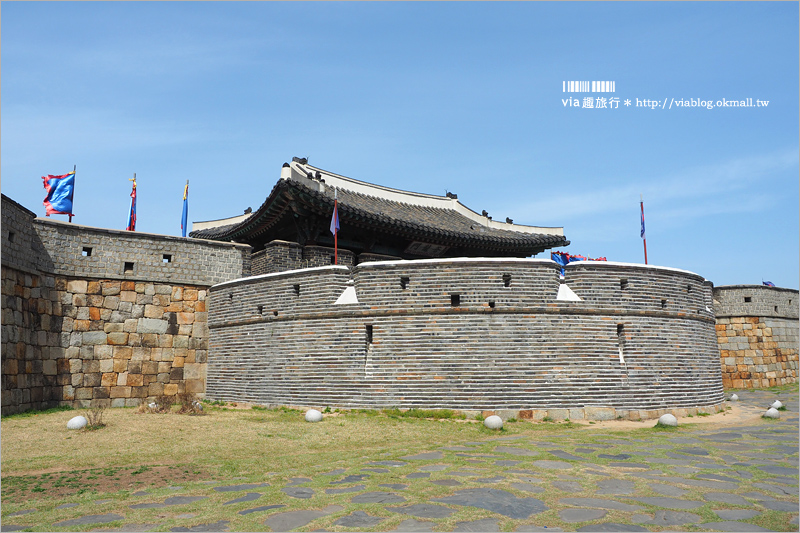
{"x": 734, "y": 478}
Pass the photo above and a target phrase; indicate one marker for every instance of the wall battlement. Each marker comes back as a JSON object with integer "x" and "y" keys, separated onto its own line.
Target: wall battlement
{"x": 757, "y": 331}
{"x": 95, "y": 316}
{"x": 469, "y": 334}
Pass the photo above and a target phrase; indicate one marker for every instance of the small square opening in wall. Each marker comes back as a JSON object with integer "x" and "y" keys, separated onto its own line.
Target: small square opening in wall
{"x": 369, "y": 333}
{"x": 623, "y": 284}
{"x": 748, "y": 299}
{"x": 87, "y": 251}
{"x": 404, "y": 281}
{"x": 128, "y": 267}
{"x": 776, "y": 308}
{"x": 333, "y": 259}
{"x": 296, "y": 288}
{"x": 688, "y": 288}
{"x": 663, "y": 304}
{"x": 491, "y": 304}
{"x": 620, "y": 329}
{"x": 506, "y": 280}
{"x": 167, "y": 258}
{"x": 11, "y": 236}
{"x": 260, "y": 309}
{"x": 455, "y": 300}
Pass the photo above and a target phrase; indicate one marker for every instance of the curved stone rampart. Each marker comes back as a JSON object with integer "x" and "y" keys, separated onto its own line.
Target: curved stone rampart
{"x": 469, "y": 334}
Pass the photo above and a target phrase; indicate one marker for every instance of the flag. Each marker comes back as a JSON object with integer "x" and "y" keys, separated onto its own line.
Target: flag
{"x": 768, "y": 283}
{"x": 642, "y": 205}
{"x": 185, "y": 215}
{"x": 59, "y": 193}
{"x": 335, "y": 218}
{"x": 132, "y": 216}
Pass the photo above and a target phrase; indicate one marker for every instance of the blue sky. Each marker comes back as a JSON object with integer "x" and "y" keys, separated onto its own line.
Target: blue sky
{"x": 429, "y": 97}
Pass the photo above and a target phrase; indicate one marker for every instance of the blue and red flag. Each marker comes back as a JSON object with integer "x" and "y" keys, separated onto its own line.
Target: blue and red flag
{"x": 59, "y": 194}
{"x": 132, "y": 216}
{"x": 644, "y": 239}
{"x": 768, "y": 283}
{"x": 185, "y": 215}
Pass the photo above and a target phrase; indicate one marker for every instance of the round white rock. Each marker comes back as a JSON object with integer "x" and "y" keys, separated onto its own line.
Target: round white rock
{"x": 771, "y": 413}
{"x": 493, "y": 422}
{"x": 777, "y": 404}
{"x": 312, "y": 415}
{"x": 77, "y": 422}
{"x": 667, "y": 420}
{"x": 734, "y": 398}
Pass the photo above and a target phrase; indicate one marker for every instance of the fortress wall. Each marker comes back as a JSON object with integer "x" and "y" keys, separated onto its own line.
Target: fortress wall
{"x": 529, "y": 353}
{"x": 79, "y": 329}
{"x": 757, "y": 332}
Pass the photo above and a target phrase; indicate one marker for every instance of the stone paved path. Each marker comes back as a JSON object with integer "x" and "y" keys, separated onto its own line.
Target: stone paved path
{"x": 709, "y": 478}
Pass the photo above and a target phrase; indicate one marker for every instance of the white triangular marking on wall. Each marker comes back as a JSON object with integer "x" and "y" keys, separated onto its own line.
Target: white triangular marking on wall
{"x": 566, "y": 294}
{"x": 347, "y": 297}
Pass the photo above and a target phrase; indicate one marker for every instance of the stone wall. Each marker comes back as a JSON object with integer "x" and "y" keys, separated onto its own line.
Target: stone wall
{"x": 469, "y": 334}
{"x": 80, "y": 328}
{"x": 757, "y": 332}
{"x": 280, "y": 256}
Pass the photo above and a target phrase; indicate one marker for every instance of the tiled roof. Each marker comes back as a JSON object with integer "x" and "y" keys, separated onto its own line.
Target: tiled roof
{"x": 425, "y": 218}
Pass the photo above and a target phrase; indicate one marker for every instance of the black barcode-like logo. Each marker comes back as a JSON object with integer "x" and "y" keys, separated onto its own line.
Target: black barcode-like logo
{"x": 589, "y": 86}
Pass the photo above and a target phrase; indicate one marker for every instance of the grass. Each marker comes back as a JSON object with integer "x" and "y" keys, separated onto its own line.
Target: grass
{"x": 144, "y": 451}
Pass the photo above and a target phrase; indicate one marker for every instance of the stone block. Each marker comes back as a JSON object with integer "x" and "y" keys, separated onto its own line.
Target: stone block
{"x": 111, "y": 288}
{"x": 120, "y": 365}
{"x": 558, "y": 414}
{"x": 93, "y": 337}
{"x": 77, "y": 286}
{"x": 151, "y": 325}
{"x": 577, "y": 413}
{"x": 135, "y": 380}
{"x": 101, "y": 393}
{"x": 127, "y": 296}
{"x": 120, "y": 392}
{"x": 49, "y": 367}
{"x": 108, "y": 379}
{"x": 111, "y": 327}
{"x": 600, "y": 413}
{"x": 117, "y": 338}
{"x": 196, "y": 386}
{"x": 171, "y": 389}
{"x": 122, "y": 378}
{"x": 153, "y": 311}
{"x": 83, "y": 393}
{"x": 155, "y": 389}
{"x": 92, "y": 379}
{"x": 122, "y": 352}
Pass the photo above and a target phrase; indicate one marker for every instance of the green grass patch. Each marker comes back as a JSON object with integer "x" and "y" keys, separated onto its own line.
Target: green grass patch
{"x": 34, "y": 412}
{"x": 434, "y": 414}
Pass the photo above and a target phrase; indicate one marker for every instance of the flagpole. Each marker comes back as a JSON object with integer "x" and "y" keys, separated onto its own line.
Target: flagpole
{"x": 644, "y": 238}
{"x": 74, "y": 170}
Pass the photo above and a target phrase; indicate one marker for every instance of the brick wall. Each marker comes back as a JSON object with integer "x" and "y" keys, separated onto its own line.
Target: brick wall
{"x": 79, "y": 328}
{"x": 469, "y": 334}
{"x": 757, "y": 332}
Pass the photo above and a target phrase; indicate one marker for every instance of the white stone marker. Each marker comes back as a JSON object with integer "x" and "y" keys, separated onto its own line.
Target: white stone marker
{"x": 771, "y": 413}
{"x": 312, "y": 415}
{"x": 734, "y": 398}
{"x": 77, "y": 422}
{"x": 777, "y": 404}
{"x": 493, "y": 422}
{"x": 667, "y": 420}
